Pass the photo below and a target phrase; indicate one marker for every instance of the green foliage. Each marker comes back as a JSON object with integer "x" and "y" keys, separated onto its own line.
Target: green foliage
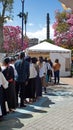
{"x": 48, "y": 40}
{"x": 62, "y": 27}
{"x": 61, "y": 16}
{"x": 61, "y": 19}
{"x": 6, "y": 6}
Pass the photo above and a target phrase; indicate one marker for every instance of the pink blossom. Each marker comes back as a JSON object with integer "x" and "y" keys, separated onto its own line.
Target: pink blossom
{"x": 64, "y": 38}
{"x": 12, "y": 38}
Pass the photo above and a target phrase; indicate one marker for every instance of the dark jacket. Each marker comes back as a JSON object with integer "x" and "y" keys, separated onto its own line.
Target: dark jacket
{"x": 22, "y": 68}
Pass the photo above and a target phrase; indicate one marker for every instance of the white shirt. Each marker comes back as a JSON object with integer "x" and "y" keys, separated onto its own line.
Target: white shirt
{"x": 32, "y": 71}
{"x": 3, "y": 81}
{"x": 15, "y": 72}
{"x": 49, "y": 66}
{"x": 42, "y": 70}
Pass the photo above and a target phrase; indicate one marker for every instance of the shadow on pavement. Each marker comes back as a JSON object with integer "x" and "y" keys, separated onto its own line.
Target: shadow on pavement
{"x": 10, "y": 124}
{"x": 12, "y": 120}
{"x": 36, "y": 109}
{"x": 59, "y": 91}
{"x": 63, "y": 84}
{"x": 44, "y": 102}
{"x": 47, "y": 103}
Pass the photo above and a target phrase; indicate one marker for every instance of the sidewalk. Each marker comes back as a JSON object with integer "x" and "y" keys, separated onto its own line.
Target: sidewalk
{"x": 67, "y": 80}
{"x": 54, "y": 111}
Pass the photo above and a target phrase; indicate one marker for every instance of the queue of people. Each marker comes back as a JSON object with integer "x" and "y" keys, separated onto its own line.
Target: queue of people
{"x": 23, "y": 78}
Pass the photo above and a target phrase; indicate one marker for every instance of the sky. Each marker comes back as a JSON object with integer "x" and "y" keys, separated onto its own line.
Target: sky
{"x": 37, "y": 13}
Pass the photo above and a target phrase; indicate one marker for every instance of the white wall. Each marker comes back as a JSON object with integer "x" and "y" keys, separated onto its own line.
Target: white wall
{"x": 61, "y": 57}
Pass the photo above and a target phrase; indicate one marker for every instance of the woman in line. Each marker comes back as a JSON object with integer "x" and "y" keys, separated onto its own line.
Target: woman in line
{"x": 3, "y": 85}
{"x": 32, "y": 80}
{"x": 42, "y": 72}
{"x": 8, "y": 72}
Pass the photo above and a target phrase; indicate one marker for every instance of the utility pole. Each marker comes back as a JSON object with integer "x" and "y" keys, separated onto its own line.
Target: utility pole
{"x": 48, "y": 29}
{"x": 21, "y": 15}
{"x": 22, "y": 20}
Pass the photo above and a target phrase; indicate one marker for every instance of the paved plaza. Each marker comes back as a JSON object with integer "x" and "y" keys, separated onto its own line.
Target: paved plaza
{"x": 54, "y": 111}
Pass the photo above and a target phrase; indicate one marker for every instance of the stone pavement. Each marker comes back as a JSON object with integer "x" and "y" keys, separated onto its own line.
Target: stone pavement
{"x": 67, "y": 80}
{"x": 54, "y": 111}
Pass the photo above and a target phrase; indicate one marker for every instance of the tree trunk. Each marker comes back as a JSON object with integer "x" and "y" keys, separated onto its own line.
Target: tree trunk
{"x": 1, "y": 37}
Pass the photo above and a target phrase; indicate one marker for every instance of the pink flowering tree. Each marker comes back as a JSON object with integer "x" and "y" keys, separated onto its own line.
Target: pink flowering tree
{"x": 6, "y": 7}
{"x": 13, "y": 39}
{"x": 63, "y": 29}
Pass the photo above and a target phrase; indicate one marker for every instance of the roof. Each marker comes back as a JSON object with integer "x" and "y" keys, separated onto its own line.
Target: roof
{"x": 47, "y": 47}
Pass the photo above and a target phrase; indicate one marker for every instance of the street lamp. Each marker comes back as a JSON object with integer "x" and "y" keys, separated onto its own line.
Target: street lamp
{"x": 22, "y": 19}
{"x": 25, "y": 21}
{"x": 21, "y": 15}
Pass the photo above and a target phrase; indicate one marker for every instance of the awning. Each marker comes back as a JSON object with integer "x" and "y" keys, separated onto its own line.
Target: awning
{"x": 48, "y": 47}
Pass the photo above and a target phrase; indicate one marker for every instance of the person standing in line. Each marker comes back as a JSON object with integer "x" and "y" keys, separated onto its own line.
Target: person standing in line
{"x": 42, "y": 72}
{"x": 10, "y": 94}
{"x": 38, "y": 81}
{"x": 3, "y": 85}
{"x": 32, "y": 80}
{"x": 22, "y": 68}
{"x": 56, "y": 68}
{"x": 45, "y": 74}
{"x": 49, "y": 70}
{"x": 12, "y": 61}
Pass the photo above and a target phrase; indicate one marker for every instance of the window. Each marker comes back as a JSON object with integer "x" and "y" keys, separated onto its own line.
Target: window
{"x": 67, "y": 64}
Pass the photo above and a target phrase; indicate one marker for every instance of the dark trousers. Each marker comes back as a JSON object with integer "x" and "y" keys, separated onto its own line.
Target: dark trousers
{"x": 2, "y": 101}
{"x": 57, "y": 76}
{"x": 20, "y": 92}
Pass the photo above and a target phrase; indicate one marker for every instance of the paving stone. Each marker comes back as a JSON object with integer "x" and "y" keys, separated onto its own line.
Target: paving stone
{"x": 51, "y": 112}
